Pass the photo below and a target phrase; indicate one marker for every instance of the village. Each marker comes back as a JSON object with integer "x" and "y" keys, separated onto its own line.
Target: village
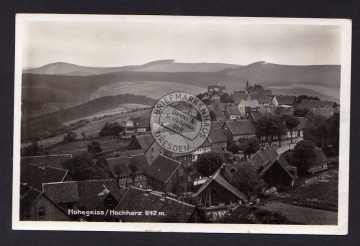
{"x": 266, "y": 158}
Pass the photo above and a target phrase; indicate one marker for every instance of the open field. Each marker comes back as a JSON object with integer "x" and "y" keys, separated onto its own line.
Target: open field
{"x": 107, "y": 144}
{"x": 153, "y": 89}
{"x": 302, "y": 215}
{"x": 318, "y": 190}
{"x": 92, "y": 129}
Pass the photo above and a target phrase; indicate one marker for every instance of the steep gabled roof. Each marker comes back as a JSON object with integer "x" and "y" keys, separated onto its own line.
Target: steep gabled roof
{"x": 322, "y": 112}
{"x": 263, "y": 157}
{"x": 218, "y": 113}
{"x": 233, "y": 110}
{"x": 302, "y": 124}
{"x": 260, "y": 98}
{"x": 217, "y": 124}
{"x": 140, "y": 161}
{"x": 250, "y": 103}
{"x": 62, "y": 192}
{"x": 217, "y": 177}
{"x": 320, "y": 158}
{"x": 47, "y": 160}
{"x": 282, "y": 162}
{"x": 163, "y": 168}
{"x": 88, "y": 194}
{"x": 137, "y": 199}
{"x": 286, "y": 100}
{"x": 217, "y": 136}
{"x": 35, "y": 175}
{"x": 93, "y": 192}
{"x": 141, "y": 141}
{"x": 28, "y": 198}
{"x": 240, "y": 127}
{"x": 284, "y": 111}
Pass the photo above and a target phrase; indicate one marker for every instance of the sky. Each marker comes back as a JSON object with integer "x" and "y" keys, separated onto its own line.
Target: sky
{"x": 120, "y": 42}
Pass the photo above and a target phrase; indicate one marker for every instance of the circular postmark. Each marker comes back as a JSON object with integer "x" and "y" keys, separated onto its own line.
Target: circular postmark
{"x": 180, "y": 122}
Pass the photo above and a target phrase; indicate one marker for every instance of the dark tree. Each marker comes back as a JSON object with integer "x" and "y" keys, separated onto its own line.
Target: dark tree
{"x": 94, "y": 148}
{"x": 233, "y": 147}
{"x": 249, "y": 146}
{"x": 333, "y": 129}
{"x": 268, "y": 127}
{"x": 303, "y": 155}
{"x": 225, "y": 98}
{"x": 290, "y": 122}
{"x": 300, "y": 112}
{"x": 111, "y": 129}
{"x": 133, "y": 167}
{"x": 316, "y": 131}
{"x": 209, "y": 162}
{"x": 82, "y": 167}
{"x": 70, "y": 137}
{"x": 301, "y": 97}
{"x": 246, "y": 179}
{"x": 31, "y": 150}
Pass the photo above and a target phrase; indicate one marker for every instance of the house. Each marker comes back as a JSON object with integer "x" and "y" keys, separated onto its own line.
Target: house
{"x": 310, "y": 104}
{"x": 263, "y": 100}
{"x": 257, "y": 90}
{"x": 45, "y": 160}
{"x": 78, "y": 198}
{"x": 168, "y": 175}
{"x": 232, "y": 113}
{"x": 234, "y": 130}
{"x": 204, "y": 148}
{"x": 184, "y": 158}
{"x": 263, "y": 158}
{"x": 321, "y": 162}
{"x": 124, "y": 179}
{"x": 137, "y": 125}
{"x": 218, "y": 139}
{"x": 217, "y": 115}
{"x": 273, "y": 168}
{"x": 277, "y": 174}
{"x": 215, "y": 92}
{"x": 216, "y": 191}
{"x": 35, "y": 175}
{"x": 284, "y": 101}
{"x": 36, "y": 206}
{"x": 246, "y": 107}
{"x": 148, "y": 145}
{"x": 237, "y": 97}
{"x": 298, "y": 131}
{"x": 152, "y": 206}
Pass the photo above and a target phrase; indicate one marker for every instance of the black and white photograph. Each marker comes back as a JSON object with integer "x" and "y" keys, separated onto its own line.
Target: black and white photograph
{"x": 181, "y": 124}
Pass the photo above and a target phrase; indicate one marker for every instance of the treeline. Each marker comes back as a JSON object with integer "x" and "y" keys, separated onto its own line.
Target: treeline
{"x": 37, "y": 125}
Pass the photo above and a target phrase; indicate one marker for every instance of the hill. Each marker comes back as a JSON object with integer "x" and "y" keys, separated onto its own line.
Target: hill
{"x": 268, "y": 74}
{"x": 68, "y": 69}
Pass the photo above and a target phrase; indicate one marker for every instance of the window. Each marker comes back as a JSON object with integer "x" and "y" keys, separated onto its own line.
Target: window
{"x": 213, "y": 191}
{"x": 41, "y": 212}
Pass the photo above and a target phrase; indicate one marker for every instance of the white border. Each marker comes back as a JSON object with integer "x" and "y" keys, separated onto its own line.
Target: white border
{"x": 340, "y": 229}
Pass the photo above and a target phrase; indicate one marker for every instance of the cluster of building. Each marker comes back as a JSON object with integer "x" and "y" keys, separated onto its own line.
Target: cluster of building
{"x": 49, "y": 193}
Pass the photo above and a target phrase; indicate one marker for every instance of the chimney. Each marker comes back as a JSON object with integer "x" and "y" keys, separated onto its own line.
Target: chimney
{"x": 24, "y": 187}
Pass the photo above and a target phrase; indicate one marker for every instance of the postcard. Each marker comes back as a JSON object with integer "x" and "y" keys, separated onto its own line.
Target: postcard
{"x": 181, "y": 124}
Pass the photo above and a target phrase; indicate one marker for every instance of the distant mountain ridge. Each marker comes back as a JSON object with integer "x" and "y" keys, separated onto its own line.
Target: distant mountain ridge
{"x": 148, "y": 79}
{"x": 68, "y": 69}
